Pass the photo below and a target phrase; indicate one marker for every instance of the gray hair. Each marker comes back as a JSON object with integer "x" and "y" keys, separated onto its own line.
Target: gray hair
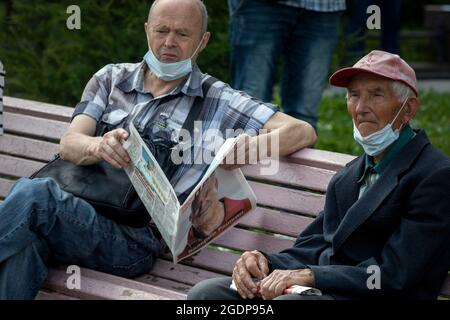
{"x": 402, "y": 91}
{"x": 203, "y": 11}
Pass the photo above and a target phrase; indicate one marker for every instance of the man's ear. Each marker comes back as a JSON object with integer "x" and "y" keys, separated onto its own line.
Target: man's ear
{"x": 146, "y": 29}
{"x": 411, "y": 108}
{"x": 203, "y": 44}
{"x": 205, "y": 40}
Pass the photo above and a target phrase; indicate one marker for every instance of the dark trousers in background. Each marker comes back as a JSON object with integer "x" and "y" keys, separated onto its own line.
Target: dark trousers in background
{"x": 356, "y": 27}
{"x": 262, "y": 33}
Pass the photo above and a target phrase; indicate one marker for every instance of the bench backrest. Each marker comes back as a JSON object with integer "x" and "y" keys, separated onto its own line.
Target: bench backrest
{"x": 2, "y": 85}
{"x": 287, "y": 201}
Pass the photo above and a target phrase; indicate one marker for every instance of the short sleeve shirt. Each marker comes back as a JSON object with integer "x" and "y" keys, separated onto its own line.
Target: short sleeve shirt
{"x": 117, "y": 90}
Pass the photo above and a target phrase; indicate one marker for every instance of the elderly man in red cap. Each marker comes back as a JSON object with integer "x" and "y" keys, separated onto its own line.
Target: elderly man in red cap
{"x": 385, "y": 229}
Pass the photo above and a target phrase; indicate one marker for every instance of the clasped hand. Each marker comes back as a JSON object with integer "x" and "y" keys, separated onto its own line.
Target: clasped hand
{"x": 251, "y": 277}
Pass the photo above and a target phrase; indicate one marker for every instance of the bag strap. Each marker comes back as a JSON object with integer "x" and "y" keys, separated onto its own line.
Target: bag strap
{"x": 197, "y": 106}
{"x": 194, "y": 114}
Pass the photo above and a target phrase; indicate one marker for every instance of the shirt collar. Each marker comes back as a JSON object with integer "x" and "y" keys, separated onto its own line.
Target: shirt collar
{"x": 405, "y": 136}
{"x": 135, "y": 81}
{"x": 193, "y": 85}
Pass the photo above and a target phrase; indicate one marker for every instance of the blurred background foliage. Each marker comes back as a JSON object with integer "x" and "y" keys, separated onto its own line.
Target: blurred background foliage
{"x": 47, "y": 62}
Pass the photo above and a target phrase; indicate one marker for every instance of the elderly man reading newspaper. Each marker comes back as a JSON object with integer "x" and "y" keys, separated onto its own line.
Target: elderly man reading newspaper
{"x": 39, "y": 221}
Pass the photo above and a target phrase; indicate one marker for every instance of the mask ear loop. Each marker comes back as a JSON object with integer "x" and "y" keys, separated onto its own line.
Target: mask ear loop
{"x": 198, "y": 47}
{"x": 398, "y": 113}
{"x": 148, "y": 43}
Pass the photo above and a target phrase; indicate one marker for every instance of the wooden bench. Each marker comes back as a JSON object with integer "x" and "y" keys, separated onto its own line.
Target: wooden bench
{"x": 287, "y": 203}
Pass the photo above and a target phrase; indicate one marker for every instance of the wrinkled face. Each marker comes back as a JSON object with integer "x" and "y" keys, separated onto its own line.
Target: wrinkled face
{"x": 174, "y": 30}
{"x": 207, "y": 197}
{"x": 208, "y": 211}
{"x": 372, "y": 103}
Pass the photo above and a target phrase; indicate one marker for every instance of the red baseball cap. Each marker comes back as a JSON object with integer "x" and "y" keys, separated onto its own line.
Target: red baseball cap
{"x": 381, "y": 63}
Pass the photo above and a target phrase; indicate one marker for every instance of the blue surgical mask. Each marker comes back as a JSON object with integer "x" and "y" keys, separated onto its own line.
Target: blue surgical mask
{"x": 169, "y": 71}
{"x": 377, "y": 142}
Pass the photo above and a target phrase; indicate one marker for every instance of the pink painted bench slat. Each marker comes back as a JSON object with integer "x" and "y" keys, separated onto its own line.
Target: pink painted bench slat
{"x": 287, "y": 203}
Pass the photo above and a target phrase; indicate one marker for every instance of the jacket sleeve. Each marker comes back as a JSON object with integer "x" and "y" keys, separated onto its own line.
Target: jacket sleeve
{"x": 306, "y": 249}
{"x": 311, "y": 242}
{"x": 421, "y": 240}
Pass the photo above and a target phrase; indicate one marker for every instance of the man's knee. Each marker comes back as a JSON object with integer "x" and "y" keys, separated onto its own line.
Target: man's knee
{"x": 303, "y": 297}
{"x": 200, "y": 290}
{"x": 210, "y": 289}
{"x": 29, "y": 195}
{"x": 32, "y": 188}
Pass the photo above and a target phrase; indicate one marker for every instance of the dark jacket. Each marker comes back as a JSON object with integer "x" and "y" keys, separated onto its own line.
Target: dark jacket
{"x": 401, "y": 224}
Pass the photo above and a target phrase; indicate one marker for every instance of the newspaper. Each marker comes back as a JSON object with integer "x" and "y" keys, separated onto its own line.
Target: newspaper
{"x": 294, "y": 289}
{"x": 215, "y": 204}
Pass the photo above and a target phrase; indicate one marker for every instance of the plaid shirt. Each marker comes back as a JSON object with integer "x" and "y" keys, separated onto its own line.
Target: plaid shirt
{"x": 2, "y": 85}
{"x": 316, "y": 5}
{"x": 118, "y": 90}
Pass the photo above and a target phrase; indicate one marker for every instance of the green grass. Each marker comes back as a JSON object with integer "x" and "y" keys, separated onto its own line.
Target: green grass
{"x": 335, "y": 129}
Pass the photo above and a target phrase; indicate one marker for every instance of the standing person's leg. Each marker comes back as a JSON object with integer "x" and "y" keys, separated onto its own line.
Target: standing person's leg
{"x": 258, "y": 30}
{"x": 390, "y": 25}
{"x": 38, "y": 220}
{"x": 213, "y": 289}
{"x": 355, "y": 31}
{"x": 306, "y": 63}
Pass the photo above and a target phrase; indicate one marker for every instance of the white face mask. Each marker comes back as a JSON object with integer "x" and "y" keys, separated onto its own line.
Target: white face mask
{"x": 169, "y": 71}
{"x": 377, "y": 142}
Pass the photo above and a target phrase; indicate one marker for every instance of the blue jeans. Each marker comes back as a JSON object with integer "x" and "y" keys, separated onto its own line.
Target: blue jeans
{"x": 262, "y": 32}
{"x": 39, "y": 221}
{"x": 356, "y": 26}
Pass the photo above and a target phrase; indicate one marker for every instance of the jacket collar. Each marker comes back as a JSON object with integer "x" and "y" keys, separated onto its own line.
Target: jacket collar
{"x": 355, "y": 212}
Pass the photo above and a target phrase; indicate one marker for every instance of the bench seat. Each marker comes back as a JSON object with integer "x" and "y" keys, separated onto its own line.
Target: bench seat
{"x": 287, "y": 203}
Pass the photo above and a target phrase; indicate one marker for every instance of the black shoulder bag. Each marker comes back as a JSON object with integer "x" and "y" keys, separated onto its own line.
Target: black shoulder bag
{"x": 107, "y": 189}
